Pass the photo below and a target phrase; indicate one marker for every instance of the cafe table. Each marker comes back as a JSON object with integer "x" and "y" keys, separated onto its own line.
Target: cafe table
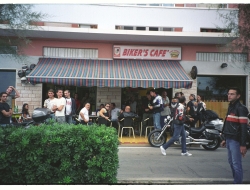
{"x": 16, "y": 116}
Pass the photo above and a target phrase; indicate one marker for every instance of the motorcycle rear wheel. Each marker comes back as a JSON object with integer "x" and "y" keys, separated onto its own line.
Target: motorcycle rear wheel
{"x": 213, "y": 145}
{"x": 152, "y": 138}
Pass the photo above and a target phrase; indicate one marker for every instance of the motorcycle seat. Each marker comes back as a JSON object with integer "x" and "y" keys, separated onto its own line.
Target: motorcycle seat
{"x": 209, "y": 126}
{"x": 198, "y": 130}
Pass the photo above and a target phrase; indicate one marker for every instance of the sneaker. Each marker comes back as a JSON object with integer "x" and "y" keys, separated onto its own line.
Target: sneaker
{"x": 163, "y": 151}
{"x": 186, "y": 154}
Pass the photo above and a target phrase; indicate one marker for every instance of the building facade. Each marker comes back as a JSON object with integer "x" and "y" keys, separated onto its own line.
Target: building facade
{"x": 77, "y": 46}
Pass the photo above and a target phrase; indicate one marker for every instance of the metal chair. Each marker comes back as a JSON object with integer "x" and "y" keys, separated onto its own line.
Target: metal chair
{"x": 128, "y": 123}
{"x": 103, "y": 121}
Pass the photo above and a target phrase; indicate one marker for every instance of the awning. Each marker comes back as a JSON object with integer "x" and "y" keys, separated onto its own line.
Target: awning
{"x": 110, "y": 73}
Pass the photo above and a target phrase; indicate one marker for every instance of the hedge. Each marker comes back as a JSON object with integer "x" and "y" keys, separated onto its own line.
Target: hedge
{"x": 58, "y": 154}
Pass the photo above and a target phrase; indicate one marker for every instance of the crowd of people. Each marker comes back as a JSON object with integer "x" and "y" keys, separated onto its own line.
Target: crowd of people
{"x": 157, "y": 107}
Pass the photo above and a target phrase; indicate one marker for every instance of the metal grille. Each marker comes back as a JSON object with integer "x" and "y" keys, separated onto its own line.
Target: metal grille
{"x": 227, "y": 57}
{"x": 70, "y": 52}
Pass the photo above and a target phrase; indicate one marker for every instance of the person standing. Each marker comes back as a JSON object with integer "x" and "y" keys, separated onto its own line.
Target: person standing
{"x": 50, "y": 102}
{"x": 59, "y": 108}
{"x": 133, "y": 104}
{"x": 235, "y": 133}
{"x": 84, "y": 115}
{"x": 179, "y": 117}
{"x": 70, "y": 108}
{"x": 166, "y": 111}
{"x": 5, "y": 110}
{"x": 157, "y": 108}
{"x": 191, "y": 109}
{"x": 148, "y": 113}
{"x": 201, "y": 108}
{"x": 78, "y": 103}
{"x": 114, "y": 112}
{"x": 9, "y": 90}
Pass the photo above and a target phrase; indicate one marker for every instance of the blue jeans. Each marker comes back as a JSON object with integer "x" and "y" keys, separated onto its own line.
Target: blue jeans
{"x": 234, "y": 159}
{"x": 178, "y": 130}
{"x": 68, "y": 119}
{"x": 162, "y": 120}
{"x": 157, "y": 120}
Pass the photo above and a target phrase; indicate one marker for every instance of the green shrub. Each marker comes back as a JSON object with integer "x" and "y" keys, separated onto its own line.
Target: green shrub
{"x": 58, "y": 153}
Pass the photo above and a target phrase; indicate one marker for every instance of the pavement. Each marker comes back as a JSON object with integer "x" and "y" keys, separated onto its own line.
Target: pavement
{"x": 145, "y": 165}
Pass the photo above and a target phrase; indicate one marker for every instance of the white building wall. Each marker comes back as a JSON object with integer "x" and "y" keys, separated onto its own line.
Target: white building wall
{"x": 109, "y": 95}
{"x": 106, "y": 17}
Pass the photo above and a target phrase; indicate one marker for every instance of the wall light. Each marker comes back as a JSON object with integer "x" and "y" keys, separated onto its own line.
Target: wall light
{"x": 223, "y": 65}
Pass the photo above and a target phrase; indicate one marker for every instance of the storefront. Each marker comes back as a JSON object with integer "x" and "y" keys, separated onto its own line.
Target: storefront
{"x": 114, "y": 80}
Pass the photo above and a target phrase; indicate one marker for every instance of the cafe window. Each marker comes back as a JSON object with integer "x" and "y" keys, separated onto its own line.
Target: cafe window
{"x": 7, "y": 78}
{"x": 215, "y": 88}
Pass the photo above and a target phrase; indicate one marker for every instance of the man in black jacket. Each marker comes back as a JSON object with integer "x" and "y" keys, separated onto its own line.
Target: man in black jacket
{"x": 127, "y": 113}
{"x": 235, "y": 133}
{"x": 70, "y": 108}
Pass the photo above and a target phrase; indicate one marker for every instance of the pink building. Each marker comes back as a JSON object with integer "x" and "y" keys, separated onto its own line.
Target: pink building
{"x": 118, "y": 51}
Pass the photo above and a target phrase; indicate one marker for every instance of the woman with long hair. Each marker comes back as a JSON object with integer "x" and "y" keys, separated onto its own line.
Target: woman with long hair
{"x": 25, "y": 112}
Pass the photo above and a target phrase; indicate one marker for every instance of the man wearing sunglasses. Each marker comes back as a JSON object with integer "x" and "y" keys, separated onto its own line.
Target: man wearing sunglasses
{"x": 5, "y": 110}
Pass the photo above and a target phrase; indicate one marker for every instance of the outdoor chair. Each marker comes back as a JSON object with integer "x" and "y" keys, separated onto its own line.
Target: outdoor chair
{"x": 128, "y": 123}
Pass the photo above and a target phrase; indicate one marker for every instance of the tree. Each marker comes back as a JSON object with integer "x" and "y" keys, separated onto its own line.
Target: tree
{"x": 15, "y": 19}
{"x": 238, "y": 22}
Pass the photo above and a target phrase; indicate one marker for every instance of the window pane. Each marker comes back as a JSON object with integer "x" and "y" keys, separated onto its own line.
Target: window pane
{"x": 167, "y": 29}
{"x": 167, "y": 5}
{"x": 214, "y": 88}
{"x": 128, "y": 28}
{"x": 154, "y": 4}
{"x": 9, "y": 78}
{"x": 153, "y": 28}
{"x": 140, "y": 28}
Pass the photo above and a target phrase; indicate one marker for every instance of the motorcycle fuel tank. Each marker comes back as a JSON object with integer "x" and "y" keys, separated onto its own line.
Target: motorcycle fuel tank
{"x": 40, "y": 114}
{"x": 217, "y": 123}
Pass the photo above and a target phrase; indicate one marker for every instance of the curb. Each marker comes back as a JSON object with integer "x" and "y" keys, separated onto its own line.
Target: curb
{"x": 176, "y": 181}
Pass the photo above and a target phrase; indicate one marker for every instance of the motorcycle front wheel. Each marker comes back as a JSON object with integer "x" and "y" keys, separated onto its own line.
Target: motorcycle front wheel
{"x": 213, "y": 145}
{"x": 152, "y": 138}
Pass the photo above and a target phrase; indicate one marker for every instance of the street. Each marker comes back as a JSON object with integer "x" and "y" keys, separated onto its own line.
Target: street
{"x": 146, "y": 165}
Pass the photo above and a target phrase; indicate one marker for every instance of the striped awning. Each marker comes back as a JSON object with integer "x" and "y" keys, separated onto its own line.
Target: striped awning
{"x": 110, "y": 73}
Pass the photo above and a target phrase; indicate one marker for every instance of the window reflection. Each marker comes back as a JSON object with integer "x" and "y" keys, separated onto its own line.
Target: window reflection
{"x": 214, "y": 88}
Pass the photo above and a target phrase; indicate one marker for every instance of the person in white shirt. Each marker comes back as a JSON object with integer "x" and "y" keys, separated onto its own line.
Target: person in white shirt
{"x": 59, "y": 108}
{"x": 70, "y": 109}
{"x": 115, "y": 112}
{"x": 48, "y": 103}
{"x": 84, "y": 115}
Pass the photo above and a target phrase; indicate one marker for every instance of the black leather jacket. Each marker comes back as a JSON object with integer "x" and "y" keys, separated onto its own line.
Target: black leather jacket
{"x": 127, "y": 114}
{"x": 235, "y": 125}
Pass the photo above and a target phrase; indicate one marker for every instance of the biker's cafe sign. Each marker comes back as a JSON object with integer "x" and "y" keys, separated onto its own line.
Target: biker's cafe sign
{"x": 146, "y": 52}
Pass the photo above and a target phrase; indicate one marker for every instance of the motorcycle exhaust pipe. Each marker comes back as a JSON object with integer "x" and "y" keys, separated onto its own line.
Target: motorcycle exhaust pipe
{"x": 201, "y": 140}
{"x": 201, "y": 143}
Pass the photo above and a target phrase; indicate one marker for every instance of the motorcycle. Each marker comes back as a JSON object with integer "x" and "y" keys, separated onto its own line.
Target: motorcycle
{"x": 208, "y": 135}
{"x": 40, "y": 115}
